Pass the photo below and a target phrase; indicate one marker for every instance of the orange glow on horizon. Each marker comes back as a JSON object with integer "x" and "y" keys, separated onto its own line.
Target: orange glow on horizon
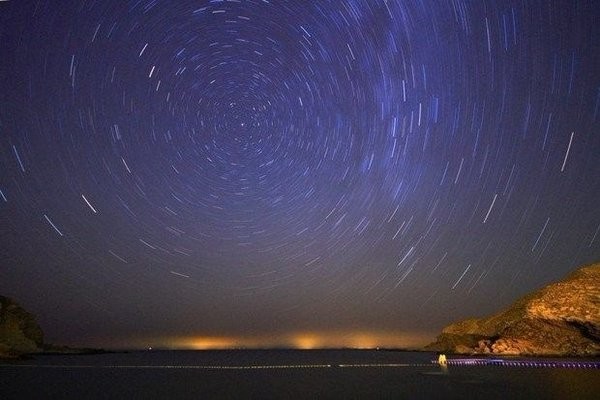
{"x": 304, "y": 340}
{"x": 364, "y": 341}
{"x": 210, "y": 343}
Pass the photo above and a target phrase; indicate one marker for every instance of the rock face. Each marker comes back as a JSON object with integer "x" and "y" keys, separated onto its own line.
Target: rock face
{"x": 562, "y": 318}
{"x": 19, "y": 332}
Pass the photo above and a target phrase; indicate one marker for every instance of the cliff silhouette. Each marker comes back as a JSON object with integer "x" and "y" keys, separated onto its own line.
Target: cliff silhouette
{"x": 561, "y": 319}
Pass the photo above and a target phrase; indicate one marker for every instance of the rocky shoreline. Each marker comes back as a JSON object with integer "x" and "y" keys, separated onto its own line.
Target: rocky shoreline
{"x": 21, "y": 336}
{"x": 561, "y": 319}
{"x": 19, "y": 331}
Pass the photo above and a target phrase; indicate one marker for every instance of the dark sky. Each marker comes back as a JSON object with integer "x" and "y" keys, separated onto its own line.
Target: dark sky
{"x": 254, "y": 170}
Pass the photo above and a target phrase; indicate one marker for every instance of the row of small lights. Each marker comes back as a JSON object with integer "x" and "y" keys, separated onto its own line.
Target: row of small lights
{"x": 535, "y": 364}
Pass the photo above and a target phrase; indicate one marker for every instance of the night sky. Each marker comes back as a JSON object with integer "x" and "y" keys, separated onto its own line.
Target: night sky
{"x": 301, "y": 173}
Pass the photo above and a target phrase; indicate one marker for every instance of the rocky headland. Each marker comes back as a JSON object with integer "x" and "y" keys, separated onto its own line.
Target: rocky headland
{"x": 21, "y": 335}
{"x": 19, "y": 332}
{"x": 561, "y": 319}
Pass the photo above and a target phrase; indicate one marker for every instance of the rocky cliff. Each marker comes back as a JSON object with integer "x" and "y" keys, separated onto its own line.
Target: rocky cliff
{"x": 19, "y": 332}
{"x": 562, "y": 318}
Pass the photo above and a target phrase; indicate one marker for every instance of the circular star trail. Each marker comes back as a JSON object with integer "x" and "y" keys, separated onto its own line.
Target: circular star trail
{"x": 260, "y": 167}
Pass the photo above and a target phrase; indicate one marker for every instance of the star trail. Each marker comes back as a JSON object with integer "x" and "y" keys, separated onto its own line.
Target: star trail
{"x": 254, "y": 168}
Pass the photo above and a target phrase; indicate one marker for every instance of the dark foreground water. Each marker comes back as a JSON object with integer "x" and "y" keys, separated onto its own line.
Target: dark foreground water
{"x": 283, "y": 374}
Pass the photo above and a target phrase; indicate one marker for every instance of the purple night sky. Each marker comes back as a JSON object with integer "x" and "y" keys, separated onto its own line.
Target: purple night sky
{"x": 260, "y": 170}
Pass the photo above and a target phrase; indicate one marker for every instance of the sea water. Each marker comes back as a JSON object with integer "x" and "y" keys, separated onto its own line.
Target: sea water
{"x": 283, "y": 374}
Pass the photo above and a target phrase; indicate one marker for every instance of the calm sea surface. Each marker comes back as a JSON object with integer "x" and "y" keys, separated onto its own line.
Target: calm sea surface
{"x": 283, "y": 374}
